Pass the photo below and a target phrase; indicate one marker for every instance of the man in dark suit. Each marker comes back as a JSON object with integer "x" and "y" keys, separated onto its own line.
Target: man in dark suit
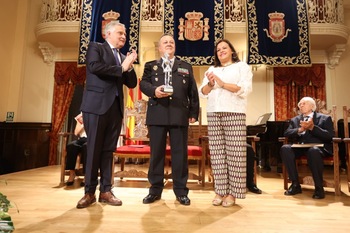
{"x": 308, "y": 127}
{"x": 169, "y": 113}
{"x": 102, "y": 106}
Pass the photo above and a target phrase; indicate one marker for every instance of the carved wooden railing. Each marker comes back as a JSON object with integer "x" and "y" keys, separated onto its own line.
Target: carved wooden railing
{"x": 320, "y": 11}
{"x": 60, "y": 10}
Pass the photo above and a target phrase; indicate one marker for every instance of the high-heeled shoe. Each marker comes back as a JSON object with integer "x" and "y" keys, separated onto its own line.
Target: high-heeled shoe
{"x": 228, "y": 202}
{"x": 69, "y": 183}
{"x": 70, "y": 180}
{"x": 217, "y": 200}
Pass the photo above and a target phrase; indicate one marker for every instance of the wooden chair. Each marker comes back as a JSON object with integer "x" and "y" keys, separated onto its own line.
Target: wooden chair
{"x": 135, "y": 149}
{"x": 195, "y": 152}
{"x": 346, "y": 115}
{"x": 64, "y": 172}
{"x": 331, "y": 160}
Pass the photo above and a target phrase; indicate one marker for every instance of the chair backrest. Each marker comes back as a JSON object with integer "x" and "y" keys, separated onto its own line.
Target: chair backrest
{"x": 346, "y": 115}
{"x": 321, "y": 108}
{"x": 135, "y": 122}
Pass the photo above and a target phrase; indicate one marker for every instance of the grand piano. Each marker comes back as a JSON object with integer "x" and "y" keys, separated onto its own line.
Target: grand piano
{"x": 268, "y": 146}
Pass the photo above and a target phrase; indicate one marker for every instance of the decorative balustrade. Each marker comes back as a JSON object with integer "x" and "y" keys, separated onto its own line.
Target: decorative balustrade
{"x": 326, "y": 11}
{"x": 60, "y": 10}
{"x": 320, "y": 11}
{"x": 152, "y": 10}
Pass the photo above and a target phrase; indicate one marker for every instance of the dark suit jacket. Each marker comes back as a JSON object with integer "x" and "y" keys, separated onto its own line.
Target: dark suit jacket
{"x": 323, "y": 132}
{"x": 103, "y": 79}
{"x": 175, "y": 109}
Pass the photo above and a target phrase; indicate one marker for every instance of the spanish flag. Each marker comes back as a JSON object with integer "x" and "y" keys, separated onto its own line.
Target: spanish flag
{"x": 139, "y": 94}
{"x": 130, "y": 125}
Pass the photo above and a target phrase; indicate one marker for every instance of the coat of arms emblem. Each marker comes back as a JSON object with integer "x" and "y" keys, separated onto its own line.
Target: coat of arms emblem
{"x": 194, "y": 28}
{"x": 277, "y": 30}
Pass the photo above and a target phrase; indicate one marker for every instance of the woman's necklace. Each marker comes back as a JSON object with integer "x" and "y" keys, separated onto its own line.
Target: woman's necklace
{"x": 227, "y": 64}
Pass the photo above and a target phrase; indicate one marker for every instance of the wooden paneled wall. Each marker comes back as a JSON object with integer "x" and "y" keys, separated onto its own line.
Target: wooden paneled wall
{"x": 23, "y": 146}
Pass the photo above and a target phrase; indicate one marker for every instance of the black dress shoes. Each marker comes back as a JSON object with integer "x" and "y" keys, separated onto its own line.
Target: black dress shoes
{"x": 150, "y": 198}
{"x": 252, "y": 188}
{"x": 318, "y": 194}
{"x": 184, "y": 200}
{"x": 293, "y": 189}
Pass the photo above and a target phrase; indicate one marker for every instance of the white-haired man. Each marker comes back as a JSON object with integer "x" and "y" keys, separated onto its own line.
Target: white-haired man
{"x": 308, "y": 127}
{"x": 107, "y": 72}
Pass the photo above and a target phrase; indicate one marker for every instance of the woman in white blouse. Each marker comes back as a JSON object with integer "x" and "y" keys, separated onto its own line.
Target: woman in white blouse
{"x": 227, "y": 85}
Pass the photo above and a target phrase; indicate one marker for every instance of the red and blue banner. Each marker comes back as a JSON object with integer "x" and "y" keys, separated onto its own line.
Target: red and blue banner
{"x": 278, "y": 32}
{"x": 96, "y": 13}
{"x": 196, "y": 25}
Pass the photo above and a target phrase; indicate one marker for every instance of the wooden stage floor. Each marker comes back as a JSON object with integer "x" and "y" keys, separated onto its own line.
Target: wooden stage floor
{"x": 41, "y": 205}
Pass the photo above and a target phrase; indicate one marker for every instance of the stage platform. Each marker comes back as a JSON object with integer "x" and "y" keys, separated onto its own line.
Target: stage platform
{"x": 41, "y": 205}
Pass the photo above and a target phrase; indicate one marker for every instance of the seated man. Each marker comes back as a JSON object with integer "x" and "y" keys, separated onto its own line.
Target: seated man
{"x": 74, "y": 148}
{"x": 250, "y": 170}
{"x": 308, "y": 127}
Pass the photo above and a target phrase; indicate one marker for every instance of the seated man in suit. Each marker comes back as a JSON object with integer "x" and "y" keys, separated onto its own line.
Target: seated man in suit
{"x": 308, "y": 127}
{"x": 251, "y": 186}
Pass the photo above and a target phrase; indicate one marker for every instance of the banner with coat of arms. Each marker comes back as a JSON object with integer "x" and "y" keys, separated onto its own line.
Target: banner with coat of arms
{"x": 278, "y": 32}
{"x": 196, "y": 26}
{"x": 97, "y": 13}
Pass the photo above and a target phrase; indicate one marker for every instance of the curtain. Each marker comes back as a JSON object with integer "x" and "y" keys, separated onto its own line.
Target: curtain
{"x": 67, "y": 75}
{"x": 293, "y": 83}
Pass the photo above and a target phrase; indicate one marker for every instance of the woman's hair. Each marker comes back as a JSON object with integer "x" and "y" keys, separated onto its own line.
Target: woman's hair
{"x": 234, "y": 53}
{"x": 310, "y": 101}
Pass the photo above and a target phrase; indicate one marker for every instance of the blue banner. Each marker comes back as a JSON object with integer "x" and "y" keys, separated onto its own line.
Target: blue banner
{"x": 278, "y": 32}
{"x": 196, "y": 26}
{"x": 96, "y": 13}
